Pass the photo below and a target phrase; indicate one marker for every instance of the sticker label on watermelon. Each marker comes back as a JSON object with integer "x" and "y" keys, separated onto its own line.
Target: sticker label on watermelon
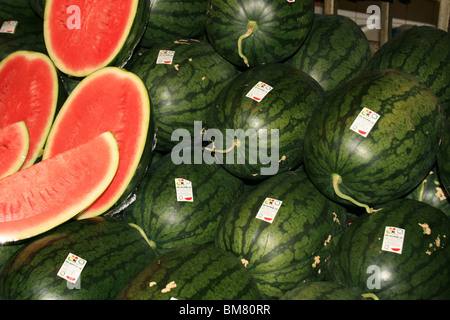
{"x": 184, "y": 190}
{"x": 269, "y": 210}
{"x": 393, "y": 239}
{"x": 165, "y": 57}
{"x": 71, "y": 268}
{"x": 364, "y": 122}
{"x": 259, "y": 91}
{"x": 8, "y": 27}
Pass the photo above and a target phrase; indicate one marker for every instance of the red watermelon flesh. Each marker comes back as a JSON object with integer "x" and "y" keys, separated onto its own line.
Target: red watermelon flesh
{"x": 39, "y": 198}
{"x": 111, "y": 99}
{"x": 83, "y": 36}
{"x": 29, "y": 92}
{"x": 14, "y": 144}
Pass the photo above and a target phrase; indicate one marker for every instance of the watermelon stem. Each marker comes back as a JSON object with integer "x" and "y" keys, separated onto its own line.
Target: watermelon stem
{"x": 337, "y": 179}
{"x": 151, "y": 243}
{"x": 370, "y": 296}
{"x": 221, "y": 151}
{"x": 251, "y": 26}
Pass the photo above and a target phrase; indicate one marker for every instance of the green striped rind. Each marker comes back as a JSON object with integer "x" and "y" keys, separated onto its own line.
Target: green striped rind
{"x": 431, "y": 191}
{"x": 396, "y": 155}
{"x": 28, "y": 34}
{"x": 443, "y": 161}
{"x": 38, "y": 7}
{"x": 421, "y": 51}
{"x": 174, "y": 19}
{"x": 7, "y": 250}
{"x": 321, "y": 290}
{"x": 420, "y": 272}
{"x": 335, "y": 51}
{"x": 295, "y": 246}
{"x": 199, "y": 273}
{"x": 114, "y": 252}
{"x": 286, "y": 108}
{"x": 171, "y": 224}
{"x": 182, "y": 92}
{"x": 282, "y": 27}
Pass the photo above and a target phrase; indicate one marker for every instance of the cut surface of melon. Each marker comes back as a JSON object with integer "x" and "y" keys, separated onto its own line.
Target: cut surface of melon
{"x": 14, "y": 144}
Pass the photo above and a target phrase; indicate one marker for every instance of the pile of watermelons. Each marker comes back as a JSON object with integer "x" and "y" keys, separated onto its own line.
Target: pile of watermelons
{"x": 264, "y": 152}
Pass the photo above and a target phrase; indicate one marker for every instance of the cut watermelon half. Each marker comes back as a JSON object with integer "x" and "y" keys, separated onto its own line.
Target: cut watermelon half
{"x": 110, "y": 99}
{"x": 39, "y": 198}
{"x": 14, "y": 143}
{"x": 84, "y": 36}
{"x": 29, "y": 92}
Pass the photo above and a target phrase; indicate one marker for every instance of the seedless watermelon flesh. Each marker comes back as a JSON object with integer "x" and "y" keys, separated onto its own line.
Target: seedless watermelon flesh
{"x": 83, "y": 36}
{"x": 29, "y": 92}
{"x": 14, "y": 143}
{"x": 54, "y": 190}
{"x": 110, "y": 99}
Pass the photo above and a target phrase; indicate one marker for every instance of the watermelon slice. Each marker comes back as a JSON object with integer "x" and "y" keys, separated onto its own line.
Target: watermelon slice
{"x": 84, "y": 36}
{"x": 110, "y": 99}
{"x": 39, "y": 198}
{"x": 29, "y": 91}
{"x": 14, "y": 143}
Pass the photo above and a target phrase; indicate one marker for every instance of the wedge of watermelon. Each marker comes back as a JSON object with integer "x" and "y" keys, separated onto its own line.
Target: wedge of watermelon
{"x": 84, "y": 36}
{"x": 110, "y": 99}
{"x": 29, "y": 92}
{"x": 39, "y": 198}
{"x": 14, "y": 144}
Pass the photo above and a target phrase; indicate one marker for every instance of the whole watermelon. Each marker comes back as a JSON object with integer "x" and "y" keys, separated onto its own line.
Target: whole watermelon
{"x": 335, "y": 51}
{"x": 174, "y": 19}
{"x": 114, "y": 251}
{"x": 183, "y": 90}
{"x": 263, "y": 137}
{"x": 254, "y": 32}
{"x": 170, "y": 223}
{"x": 415, "y": 268}
{"x": 192, "y": 273}
{"x": 422, "y": 51}
{"x": 283, "y": 251}
{"x": 443, "y": 162}
{"x": 355, "y": 165}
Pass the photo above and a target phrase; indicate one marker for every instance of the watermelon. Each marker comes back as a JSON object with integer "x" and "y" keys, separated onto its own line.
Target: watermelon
{"x": 30, "y": 92}
{"x": 182, "y": 88}
{"x": 83, "y": 37}
{"x": 357, "y": 165}
{"x": 14, "y": 144}
{"x": 431, "y": 191}
{"x": 422, "y": 51}
{"x": 174, "y": 19}
{"x": 251, "y": 33}
{"x": 443, "y": 161}
{"x": 321, "y": 290}
{"x": 170, "y": 222}
{"x": 26, "y": 32}
{"x": 47, "y": 194}
{"x": 335, "y": 51}
{"x": 398, "y": 253}
{"x": 251, "y": 125}
{"x": 113, "y": 252}
{"x": 192, "y": 273}
{"x": 284, "y": 250}
{"x": 110, "y": 99}
{"x": 38, "y": 7}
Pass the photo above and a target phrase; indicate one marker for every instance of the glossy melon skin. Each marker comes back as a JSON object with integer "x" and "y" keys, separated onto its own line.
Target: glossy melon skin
{"x": 114, "y": 251}
{"x": 279, "y": 29}
{"x": 420, "y": 272}
{"x": 84, "y": 39}
{"x": 395, "y": 156}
